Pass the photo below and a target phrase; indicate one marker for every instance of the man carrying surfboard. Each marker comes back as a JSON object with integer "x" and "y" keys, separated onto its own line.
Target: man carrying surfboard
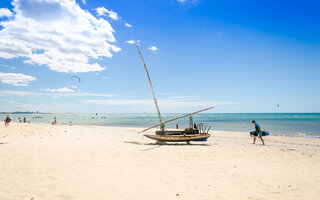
{"x": 258, "y": 132}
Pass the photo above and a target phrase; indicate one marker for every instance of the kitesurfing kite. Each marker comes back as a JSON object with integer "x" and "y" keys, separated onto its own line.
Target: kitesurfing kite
{"x": 76, "y": 77}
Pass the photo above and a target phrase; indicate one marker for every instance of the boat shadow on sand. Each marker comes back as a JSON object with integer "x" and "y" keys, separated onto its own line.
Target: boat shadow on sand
{"x": 178, "y": 144}
{"x": 157, "y": 145}
{"x": 168, "y": 144}
{"x": 171, "y": 144}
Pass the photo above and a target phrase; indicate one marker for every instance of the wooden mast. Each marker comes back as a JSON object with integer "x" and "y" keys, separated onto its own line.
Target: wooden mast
{"x": 153, "y": 94}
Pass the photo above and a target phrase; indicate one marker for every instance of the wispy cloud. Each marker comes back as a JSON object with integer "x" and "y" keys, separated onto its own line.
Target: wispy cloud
{"x": 4, "y": 65}
{"x": 59, "y": 94}
{"x": 153, "y": 48}
{"x": 84, "y": 1}
{"x": 166, "y": 93}
{"x": 128, "y": 25}
{"x": 187, "y": 1}
{"x": 185, "y": 98}
{"x": 10, "y": 106}
{"x": 60, "y": 35}
{"x": 4, "y": 12}
{"x": 64, "y": 89}
{"x": 130, "y": 41}
{"x": 168, "y": 103}
{"x": 143, "y": 105}
{"x": 16, "y": 79}
{"x": 133, "y": 42}
{"x": 103, "y": 11}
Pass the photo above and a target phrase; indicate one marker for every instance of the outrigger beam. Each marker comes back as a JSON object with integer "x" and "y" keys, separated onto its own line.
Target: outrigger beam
{"x": 153, "y": 94}
{"x": 175, "y": 119}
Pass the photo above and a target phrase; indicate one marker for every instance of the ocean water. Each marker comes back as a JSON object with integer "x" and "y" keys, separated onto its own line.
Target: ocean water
{"x": 289, "y": 124}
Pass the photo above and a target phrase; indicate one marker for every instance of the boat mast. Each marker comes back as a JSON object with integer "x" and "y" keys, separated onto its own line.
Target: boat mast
{"x": 153, "y": 94}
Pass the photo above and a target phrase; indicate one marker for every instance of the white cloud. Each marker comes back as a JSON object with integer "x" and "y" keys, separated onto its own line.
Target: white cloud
{"x": 56, "y": 33}
{"x": 84, "y": 1}
{"x": 4, "y": 65}
{"x": 16, "y": 79}
{"x": 4, "y": 12}
{"x": 143, "y": 105}
{"x": 15, "y": 93}
{"x": 128, "y": 25}
{"x": 168, "y": 103}
{"x": 185, "y": 1}
{"x": 8, "y": 101}
{"x": 185, "y": 98}
{"x": 44, "y": 107}
{"x": 86, "y": 94}
{"x": 64, "y": 89}
{"x": 7, "y": 66}
{"x": 166, "y": 93}
{"x": 130, "y": 41}
{"x": 153, "y": 48}
{"x": 103, "y": 11}
{"x": 60, "y": 94}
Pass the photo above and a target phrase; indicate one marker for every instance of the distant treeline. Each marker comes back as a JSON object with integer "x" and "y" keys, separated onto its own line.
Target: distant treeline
{"x": 17, "y": 112}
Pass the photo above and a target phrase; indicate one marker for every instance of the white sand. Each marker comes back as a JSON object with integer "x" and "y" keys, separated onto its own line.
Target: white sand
{"x": 40, "y": 162}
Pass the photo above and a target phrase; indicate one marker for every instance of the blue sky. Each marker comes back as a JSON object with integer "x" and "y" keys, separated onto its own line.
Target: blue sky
{"x": 240, "y": 56}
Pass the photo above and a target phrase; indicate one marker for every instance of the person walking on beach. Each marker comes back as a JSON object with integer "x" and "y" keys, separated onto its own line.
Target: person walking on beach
{"x": 7, "y": 120}
{"x": 258, "y": 132}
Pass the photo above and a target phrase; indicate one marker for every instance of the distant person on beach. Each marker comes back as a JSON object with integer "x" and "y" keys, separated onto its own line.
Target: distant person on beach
{"x": 257, "y": 133}
{"x": 24, "y": 120}
{"x": 54, "y": 121}
{"x": 177, "y": 126}
{"x": 7, "y": 120}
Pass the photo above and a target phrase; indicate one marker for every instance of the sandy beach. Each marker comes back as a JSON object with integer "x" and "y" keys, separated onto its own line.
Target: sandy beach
{"x": 40, "y": 161}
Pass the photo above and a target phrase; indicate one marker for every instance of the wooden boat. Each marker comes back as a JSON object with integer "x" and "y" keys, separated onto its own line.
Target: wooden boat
{"x": 179, "y": 138}
{"x": 193, "y": 133}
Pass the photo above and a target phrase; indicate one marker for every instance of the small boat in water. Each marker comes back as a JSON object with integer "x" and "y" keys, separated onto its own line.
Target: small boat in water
{"x": 193, "y": 133}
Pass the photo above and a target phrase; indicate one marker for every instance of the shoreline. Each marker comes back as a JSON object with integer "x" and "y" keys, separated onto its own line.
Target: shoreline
{"x": 141, "y": 128}
{"x": 308, "y": 141}
{"x": 300, "y": 125}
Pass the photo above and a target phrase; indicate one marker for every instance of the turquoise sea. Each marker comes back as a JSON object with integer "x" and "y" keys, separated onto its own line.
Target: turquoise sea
{"x": 289, "y": 124}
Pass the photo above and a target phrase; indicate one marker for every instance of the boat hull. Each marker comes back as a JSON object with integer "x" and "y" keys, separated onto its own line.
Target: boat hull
{"x": 179, "y": 138}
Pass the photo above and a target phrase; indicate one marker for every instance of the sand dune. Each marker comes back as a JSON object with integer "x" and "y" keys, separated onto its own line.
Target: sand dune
{"x": 39, "y": 161}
